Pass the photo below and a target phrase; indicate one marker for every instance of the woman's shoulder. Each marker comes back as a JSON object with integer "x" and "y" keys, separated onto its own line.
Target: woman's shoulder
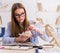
{"x": 9, "y": 25}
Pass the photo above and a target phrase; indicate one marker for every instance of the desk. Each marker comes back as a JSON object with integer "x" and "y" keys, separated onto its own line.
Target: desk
{"x": 55, "y": 49}
{"x": 17, "y": 51}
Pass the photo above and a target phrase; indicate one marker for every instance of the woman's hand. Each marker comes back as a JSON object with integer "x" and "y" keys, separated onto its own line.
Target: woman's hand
{"x": 23, "y": 37}
{"x": 32, "y": 27}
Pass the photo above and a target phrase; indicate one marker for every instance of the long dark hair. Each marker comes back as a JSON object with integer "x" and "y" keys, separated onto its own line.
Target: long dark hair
{"x": 15, "y": 28}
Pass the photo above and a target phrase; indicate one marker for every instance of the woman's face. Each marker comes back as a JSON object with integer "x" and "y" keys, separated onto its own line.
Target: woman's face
{"x": 20, "y": 15}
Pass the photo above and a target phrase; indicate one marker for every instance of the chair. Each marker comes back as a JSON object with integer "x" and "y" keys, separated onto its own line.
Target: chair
{"x": 2, "y": 29}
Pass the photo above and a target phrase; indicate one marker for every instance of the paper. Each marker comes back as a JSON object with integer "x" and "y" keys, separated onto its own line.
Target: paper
{"x": 20, "y": 44}
{"x": 14, "y": 48}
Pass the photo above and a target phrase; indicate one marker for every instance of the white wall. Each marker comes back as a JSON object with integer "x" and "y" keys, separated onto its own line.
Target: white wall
{"x": 50, "y": 6}
{"x": 32, "y": 10}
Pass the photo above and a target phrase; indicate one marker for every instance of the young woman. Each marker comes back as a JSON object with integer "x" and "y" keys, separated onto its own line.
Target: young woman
{"x": 18, "y": 25}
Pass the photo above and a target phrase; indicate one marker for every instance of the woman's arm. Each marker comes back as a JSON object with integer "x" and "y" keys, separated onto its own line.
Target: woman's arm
{"x": 6, "y": 38}
{"x": 32, "y": 27}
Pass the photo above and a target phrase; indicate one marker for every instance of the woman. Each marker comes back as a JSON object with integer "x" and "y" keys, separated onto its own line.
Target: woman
{"x": 18, "y": 25}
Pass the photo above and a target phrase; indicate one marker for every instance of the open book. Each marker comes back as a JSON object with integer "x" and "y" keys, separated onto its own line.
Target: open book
{"x": 18, "y": 46}
{"x": 22, "y": 46}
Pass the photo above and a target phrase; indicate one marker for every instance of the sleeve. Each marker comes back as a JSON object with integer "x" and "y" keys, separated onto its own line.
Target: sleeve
{"x": 6, "y": 38}
{"x": 34, "y": 38}
{"x": 44, "y": 37}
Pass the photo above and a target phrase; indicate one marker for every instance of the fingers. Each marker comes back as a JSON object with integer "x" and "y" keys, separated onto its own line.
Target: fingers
{"x": 24, "y": 38}
{"x": 30, "y": 27}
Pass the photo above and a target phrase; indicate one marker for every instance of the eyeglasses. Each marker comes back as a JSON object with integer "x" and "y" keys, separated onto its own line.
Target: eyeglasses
{"x": 20, "y": 15}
